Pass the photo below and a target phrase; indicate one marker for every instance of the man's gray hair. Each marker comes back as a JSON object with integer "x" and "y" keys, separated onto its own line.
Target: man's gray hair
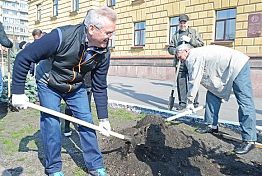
{"x": 183, "y": 47}
{"x": 99, "y": 16}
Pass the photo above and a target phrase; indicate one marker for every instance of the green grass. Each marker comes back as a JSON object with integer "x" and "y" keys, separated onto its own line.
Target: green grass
{"x": 9, "y": 146}
{"x": 32, "y": 145}
{"x": 119, "y": 113}
{"x": 21, "y": 159}
{"x": 23, "y": 132}
{"x": 11, "y": 142}
{"x": 15, "y": 126}
{"x": 78, "y": 172}
{"x": 2, "y": 128}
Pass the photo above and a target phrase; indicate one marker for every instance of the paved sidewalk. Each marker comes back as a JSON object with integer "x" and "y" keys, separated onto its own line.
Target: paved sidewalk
{"x": 155, "y": 93}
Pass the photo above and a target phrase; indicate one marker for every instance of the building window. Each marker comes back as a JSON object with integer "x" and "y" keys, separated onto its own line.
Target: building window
{"x": 75, "y": 5}
{"x": 55, "y": 7}
{"x": 140, "y": 37}
{"x": 111, "y": 3}
{"x": 111, "y": 42}
{"x": 38, "y": 12}
{"x": 225, "y": 25}
{"x": 173, "y": 27}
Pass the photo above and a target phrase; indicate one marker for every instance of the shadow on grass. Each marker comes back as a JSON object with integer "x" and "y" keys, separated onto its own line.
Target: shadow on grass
{"x": 3, "y": 109}
{"x": 23, "y": 145}
{"x": 13, "y": 172}
{"x": 70, "y": 144}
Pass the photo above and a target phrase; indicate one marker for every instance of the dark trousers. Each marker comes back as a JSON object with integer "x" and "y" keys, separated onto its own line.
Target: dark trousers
{"x": 182, "y": 88}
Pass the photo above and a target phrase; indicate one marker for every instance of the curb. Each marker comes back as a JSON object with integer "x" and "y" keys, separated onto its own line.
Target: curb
{"x": 166, "y": 113}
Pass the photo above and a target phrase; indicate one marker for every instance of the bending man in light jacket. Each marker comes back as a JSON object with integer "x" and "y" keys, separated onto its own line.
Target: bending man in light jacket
{"x": 219, "y": 69}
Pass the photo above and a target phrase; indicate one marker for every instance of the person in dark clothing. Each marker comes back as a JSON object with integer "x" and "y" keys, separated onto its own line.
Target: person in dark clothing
{"x": 22, "y": 44}
{"x": 6, "y": 43}
{"x": 37, "y": 34}
{"x": 3, "y": 38}
{"x": 65, "y": 55}
{"x": 187, "y": 35}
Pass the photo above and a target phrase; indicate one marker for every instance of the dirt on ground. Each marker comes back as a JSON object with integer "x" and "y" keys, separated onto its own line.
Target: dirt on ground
{"x": 159, "y": 149}
{"x": 176, "y": 149}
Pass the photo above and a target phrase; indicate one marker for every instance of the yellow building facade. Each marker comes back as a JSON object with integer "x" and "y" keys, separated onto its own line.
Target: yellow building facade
{"x": 151, "y": 59}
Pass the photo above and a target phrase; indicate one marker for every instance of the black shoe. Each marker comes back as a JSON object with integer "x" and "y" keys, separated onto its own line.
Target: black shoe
{"x": 196, "y": 105}
{"x": 207, "y": 129}
{"x": 67, "y": 132}
{"x": 180, "y": 108}
{"x": 244, "y": 148}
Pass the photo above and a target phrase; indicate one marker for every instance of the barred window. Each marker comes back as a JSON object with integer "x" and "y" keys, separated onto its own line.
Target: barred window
{"x": 173, "y": 26}
{"x": 38, "y": 12}
{"x": 225, "y": 25}
{"x": 140, "y": 37}
{"x": 111, "y": 3}
{"x": 55, "y": 7}
{"x": 111, "y": 42}
{"x": 75, "y": 5}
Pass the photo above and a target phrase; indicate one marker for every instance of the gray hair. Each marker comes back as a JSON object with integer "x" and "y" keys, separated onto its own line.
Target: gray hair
{"x": 99, "y": 16}
{"x": 183, "y": 47}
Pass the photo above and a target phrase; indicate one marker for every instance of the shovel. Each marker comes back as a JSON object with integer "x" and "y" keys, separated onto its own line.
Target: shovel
{"x": 80, "y": 122}
{"x": 185, "y": 113}
{"x": 171, "y": 97}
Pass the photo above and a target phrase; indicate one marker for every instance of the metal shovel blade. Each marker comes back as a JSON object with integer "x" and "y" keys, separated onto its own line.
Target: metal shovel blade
{"x": 172, "y": 98}
{"x": 171, "y": 101}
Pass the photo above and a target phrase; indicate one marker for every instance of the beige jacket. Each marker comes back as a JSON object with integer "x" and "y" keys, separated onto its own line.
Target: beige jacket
{"x": 215, "y": 67}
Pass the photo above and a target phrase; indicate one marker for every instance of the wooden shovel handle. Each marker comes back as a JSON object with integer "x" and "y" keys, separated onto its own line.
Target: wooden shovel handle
{"x": 72, "y": 119}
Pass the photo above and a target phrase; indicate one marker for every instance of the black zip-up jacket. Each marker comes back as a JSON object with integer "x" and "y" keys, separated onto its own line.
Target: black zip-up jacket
{"x": 70, "y": 59}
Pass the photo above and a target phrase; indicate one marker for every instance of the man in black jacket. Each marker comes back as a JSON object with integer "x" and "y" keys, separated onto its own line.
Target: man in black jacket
{"x": 6, "y": 43}
{"x": 70, "y": 51}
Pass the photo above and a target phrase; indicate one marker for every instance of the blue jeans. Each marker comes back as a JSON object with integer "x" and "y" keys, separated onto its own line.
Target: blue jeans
{"x": 51, "y": 130}
{"x": 1, "y": 83}
{"x": 242, "y": 88}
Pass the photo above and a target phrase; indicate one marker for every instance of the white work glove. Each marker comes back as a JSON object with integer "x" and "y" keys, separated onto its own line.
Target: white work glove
{"x": 190, "y": 107}
{"x": 185, "y": 38}
{"x": 105, "y": 127}
{"x": 20, "y": 101}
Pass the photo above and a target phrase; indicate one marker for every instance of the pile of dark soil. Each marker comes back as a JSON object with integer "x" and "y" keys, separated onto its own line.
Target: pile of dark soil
{"x": 164, "y": 149}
